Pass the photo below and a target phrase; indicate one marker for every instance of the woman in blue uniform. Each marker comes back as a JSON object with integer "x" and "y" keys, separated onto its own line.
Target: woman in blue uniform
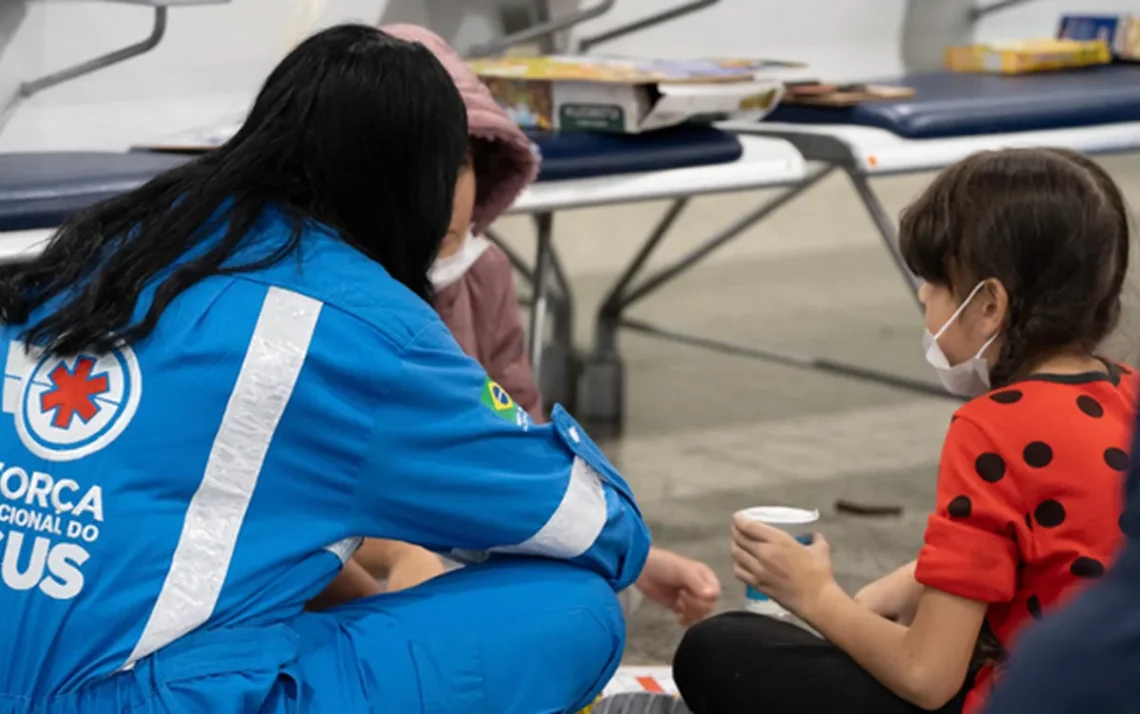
{"x": 216, "y": 385}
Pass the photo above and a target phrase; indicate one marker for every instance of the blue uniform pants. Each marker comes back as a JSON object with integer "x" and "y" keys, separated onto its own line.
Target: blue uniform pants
{"x": 508, "y": 637}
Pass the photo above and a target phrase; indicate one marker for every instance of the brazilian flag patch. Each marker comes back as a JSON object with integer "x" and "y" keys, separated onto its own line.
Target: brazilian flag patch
{"x": 499, "y": 402}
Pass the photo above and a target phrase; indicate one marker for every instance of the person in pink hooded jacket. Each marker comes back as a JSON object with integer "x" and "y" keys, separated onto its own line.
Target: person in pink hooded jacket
{"x": 473, "y": 279}
{"x": 475, "y": 296}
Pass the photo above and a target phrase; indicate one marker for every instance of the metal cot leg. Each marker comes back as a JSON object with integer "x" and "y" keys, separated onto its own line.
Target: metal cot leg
{"x": 544, "y": 226}
{"x": 884, "y": 225}
{"x": 517, "y": 262}
{"x": 601, "y": 383}
{"x": 559, "y": 359}
{"x": 601, "y": 387}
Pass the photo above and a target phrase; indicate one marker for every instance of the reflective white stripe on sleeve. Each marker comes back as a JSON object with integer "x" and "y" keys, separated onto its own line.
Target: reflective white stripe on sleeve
{"x": 345, "y": 549}
{"x": 577, "y": 522}
{"x": 214, "y": 517}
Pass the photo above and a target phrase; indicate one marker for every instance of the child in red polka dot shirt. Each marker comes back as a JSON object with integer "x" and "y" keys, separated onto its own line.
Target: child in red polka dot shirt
{"x": 1024, "y": 254}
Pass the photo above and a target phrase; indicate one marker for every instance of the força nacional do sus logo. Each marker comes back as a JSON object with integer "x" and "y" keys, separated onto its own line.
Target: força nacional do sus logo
{"x": 66, "y": 408}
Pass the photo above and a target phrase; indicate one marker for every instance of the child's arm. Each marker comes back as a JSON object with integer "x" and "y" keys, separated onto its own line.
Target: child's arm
{"x": 893, "y": 596}
{"x": 970, "y": 559}
{"x": 924, "y": 663}
{"x": 402, "y": 564}
{"x": 352, "y": 583}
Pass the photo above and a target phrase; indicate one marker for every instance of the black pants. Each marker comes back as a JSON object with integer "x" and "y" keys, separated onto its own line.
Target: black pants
{"x": 741, "y": 663}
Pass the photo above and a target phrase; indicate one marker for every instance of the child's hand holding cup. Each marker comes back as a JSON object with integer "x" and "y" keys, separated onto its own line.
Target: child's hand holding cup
{"x": 797, "y": 522}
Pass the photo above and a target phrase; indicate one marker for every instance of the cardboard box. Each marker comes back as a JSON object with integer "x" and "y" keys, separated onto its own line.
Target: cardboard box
{"x": 628, "y": 96}
{"x": 1027, "y": 56}
{"x": 1121, "y": 32}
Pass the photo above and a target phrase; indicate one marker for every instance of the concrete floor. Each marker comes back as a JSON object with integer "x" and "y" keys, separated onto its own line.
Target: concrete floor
{"x": 707, "y": 433}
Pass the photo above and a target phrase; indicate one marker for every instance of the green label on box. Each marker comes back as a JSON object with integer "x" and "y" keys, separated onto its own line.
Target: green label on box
{"x": 591, "y": 117}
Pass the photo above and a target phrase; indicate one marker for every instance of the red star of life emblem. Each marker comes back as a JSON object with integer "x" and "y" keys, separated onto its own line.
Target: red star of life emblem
{"x": 73, "y": 392}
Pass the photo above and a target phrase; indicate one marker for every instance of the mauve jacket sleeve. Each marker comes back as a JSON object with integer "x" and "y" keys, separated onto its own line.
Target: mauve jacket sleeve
{"x": 499, "y": 330}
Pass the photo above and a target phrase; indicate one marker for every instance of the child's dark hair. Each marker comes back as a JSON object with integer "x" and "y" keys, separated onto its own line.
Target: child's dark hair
{"x": 486, "y": 159}
{"x": 1049, "y": 224}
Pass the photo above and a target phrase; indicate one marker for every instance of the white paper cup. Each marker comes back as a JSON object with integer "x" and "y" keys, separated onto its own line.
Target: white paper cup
{"x": 798, "y": 522}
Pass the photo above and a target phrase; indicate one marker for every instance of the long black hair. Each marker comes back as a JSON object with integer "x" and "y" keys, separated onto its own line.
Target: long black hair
{"x": 355, "y": 129}
{"x": 1050, "y": 224}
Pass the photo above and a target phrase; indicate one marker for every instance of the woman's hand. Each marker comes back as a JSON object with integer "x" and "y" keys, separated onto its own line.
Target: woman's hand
{"x": 778, "y": 565}
{"x": 894, "y": 596}
{"x": 687, "y": 587}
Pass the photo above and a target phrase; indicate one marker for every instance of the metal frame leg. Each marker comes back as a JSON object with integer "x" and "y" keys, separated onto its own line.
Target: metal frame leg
{"x": 543, "y": 30}
{"x": 544, "y": 230}
{"x": 521, "y": 266}
{"x": 563, "y": 326}
{"x": 749, "y": 219}
{"x": 884, "y": 225}
{"x": 605, "y": 329}
{"x": 559, "y": 359}
{"x": 789, "y": 358}
{"x": 978, "y": 13}
{"x": 601, "y": 388}
{"x": 27, "y": 89}
{"x": 601, "y": 385}
{"x": 586, "y": 43}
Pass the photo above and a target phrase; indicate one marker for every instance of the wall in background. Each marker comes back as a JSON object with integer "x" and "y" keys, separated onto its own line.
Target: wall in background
{"x": 213, "y": 57}
{"x": 1039, "y": 17}
{"x": 841, "y": 39}
{"x": 208, "y": 65}
{"x": 12, "y": 15}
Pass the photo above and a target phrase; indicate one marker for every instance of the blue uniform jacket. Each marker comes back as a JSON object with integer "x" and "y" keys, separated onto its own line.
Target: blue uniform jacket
{"x": 219, "y": 472}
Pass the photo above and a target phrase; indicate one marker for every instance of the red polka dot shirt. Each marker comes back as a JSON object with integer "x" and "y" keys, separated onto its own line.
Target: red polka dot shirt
{"x": 1030, "y": 492}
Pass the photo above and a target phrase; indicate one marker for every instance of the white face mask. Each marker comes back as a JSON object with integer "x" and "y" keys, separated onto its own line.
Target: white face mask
{"x": 966, "y": 379}
{"x": 446, "y": 271}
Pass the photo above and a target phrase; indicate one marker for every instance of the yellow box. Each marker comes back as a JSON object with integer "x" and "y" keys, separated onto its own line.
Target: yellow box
{"x": 1027, "y": 56}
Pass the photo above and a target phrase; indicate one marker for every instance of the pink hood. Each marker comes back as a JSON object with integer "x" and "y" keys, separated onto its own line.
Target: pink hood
{"x": 513, "y": 163}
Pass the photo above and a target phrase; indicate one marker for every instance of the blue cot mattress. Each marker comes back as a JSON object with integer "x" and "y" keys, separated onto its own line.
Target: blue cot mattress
{"x": 576, "y": 155}
{"x": 949, "y": 104}
{"x": 41, "y": 190}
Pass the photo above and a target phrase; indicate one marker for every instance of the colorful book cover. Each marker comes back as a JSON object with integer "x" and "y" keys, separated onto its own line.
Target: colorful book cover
{"x": 567, "y": 68}
{"x": 1090, "y": 27}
